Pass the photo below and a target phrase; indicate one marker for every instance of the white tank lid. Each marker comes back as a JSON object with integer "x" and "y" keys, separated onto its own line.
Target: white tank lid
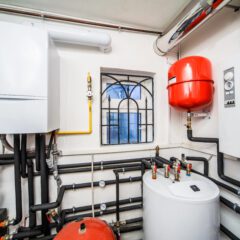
{"x": 194, "y": 188}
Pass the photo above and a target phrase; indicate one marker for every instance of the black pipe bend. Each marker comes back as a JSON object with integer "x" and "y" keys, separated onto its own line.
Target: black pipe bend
{"x": 220, "y": 156}
{"x": 200, "y": 159}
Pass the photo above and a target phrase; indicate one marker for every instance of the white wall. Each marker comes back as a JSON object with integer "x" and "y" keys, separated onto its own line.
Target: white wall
{"x": 216, "y": 40}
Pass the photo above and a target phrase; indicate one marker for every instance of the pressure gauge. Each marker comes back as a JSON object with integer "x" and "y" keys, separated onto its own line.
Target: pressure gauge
{"x": 102, "y": 183}
{"x": 228, "y": 85}
{"x": 103, "y": 207}
{"x": 228, "y": 76}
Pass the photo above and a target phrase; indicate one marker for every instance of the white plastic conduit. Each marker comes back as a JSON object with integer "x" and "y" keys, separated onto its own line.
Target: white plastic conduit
{"x": 83, "y": 37}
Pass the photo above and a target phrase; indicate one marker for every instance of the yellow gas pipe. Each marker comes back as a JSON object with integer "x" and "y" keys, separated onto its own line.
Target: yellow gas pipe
{"x": 89, "y": 95}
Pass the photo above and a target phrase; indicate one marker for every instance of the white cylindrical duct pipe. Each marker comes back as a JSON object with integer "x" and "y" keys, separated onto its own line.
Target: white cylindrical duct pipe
{"x": 200, "y": 13}
{"x": 83, "y": 37}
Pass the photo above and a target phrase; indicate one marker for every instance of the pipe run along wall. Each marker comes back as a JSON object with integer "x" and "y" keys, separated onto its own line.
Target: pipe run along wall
{"x": 84, "y": 37}
{"x": 199, "y": 14}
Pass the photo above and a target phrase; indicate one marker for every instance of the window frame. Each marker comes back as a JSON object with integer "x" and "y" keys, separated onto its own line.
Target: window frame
{"x": 146, "y": 109}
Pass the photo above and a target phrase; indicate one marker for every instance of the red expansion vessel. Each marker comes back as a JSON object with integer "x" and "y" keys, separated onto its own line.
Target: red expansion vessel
{"x": 86, "y": 229}
{"x": 190, "y": 84}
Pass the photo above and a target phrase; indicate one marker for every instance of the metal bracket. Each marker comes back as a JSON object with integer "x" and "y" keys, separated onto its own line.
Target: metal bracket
{"x": 200, "y": 115}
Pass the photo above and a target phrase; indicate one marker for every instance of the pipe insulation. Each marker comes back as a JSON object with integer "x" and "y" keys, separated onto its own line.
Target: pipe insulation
{"x": 199, "y": 14}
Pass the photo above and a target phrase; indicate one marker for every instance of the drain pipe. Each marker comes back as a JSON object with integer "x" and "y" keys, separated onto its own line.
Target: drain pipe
{"x": 200, "y": 13}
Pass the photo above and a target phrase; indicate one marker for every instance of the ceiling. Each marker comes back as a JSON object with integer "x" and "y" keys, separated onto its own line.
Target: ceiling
{"x": 147, "y": 14}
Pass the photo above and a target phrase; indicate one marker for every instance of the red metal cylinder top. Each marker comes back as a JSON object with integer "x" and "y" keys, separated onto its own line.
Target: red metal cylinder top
{"x": 86, "y": 229}
{"x": 190, "y": 84}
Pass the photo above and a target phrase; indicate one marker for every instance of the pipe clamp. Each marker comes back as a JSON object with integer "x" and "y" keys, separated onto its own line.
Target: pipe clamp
{"x": 238, "y": 193}
{"x": 235, "y": 206}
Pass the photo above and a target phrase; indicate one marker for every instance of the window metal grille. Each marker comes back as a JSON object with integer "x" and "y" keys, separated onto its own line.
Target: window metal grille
{"x": 127, "y": 109}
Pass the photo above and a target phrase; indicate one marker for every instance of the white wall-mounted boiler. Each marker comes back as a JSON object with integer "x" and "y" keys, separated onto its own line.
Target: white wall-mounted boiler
{"x": 29, "y": 80}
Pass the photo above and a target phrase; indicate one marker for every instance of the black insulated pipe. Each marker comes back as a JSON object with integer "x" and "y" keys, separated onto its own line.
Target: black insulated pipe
{"x": 100, "y": 163}
{"x": 96, "y": 206}
{"x": 228, "y": 233}
{"x": 6, "y": 162}
{"x": 32, "y": 215}
{"x": 116, "y": 172}
{"x": 51, "y": 140}
{"x": 126, "y": 229}
{"x": 6, "y": 157}
{"x": 95, "y": 168}
{"x": 18, "y": 184}
{"x": 24, "y": 155}
{"x": 44, "y": 183}
{"x": 220, "y": 156}
{"x": 107, "y": 212}
{"x": 200, "y": 159}
{"x": 37, "y": 151}
{"x": 234, "y": 206}
{"x": 64, "y": 188}
{"x": 23, "y": 235}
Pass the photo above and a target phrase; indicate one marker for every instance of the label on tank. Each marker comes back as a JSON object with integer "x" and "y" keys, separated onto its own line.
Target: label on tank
{"x": 195, "y": 188}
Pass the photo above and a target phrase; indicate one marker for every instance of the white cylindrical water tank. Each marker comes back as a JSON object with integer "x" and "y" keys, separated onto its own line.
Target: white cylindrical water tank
{"x": 187, "y": 210}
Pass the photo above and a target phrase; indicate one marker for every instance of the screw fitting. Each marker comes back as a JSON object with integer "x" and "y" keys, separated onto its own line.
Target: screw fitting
{"x": 157, "y": 149}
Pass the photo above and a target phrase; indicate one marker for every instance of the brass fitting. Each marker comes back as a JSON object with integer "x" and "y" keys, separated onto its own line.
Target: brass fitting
{"x": 154, "y": 171}
{"x": 89, "y": 82}
{"x": 166, "y": 170}
{"x": 6, "y": 237}
{"x": 188, "y": 169}
{"x": 177, "y": 171}
{"x": 189, "y": 121}
{"x": 157, "y": 149}
{"x": 4, "y": 224}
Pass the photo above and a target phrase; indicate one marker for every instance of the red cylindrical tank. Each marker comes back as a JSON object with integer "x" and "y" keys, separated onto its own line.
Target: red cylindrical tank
{"x": 86, "y": 229}
{"x": 190, "y": 84}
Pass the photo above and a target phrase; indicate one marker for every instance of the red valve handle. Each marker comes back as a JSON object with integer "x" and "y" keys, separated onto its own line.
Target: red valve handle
{"x": 179, "y": 168}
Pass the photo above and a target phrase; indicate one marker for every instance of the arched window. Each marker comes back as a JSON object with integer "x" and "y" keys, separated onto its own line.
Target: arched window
{"x": 127, "y": 114}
